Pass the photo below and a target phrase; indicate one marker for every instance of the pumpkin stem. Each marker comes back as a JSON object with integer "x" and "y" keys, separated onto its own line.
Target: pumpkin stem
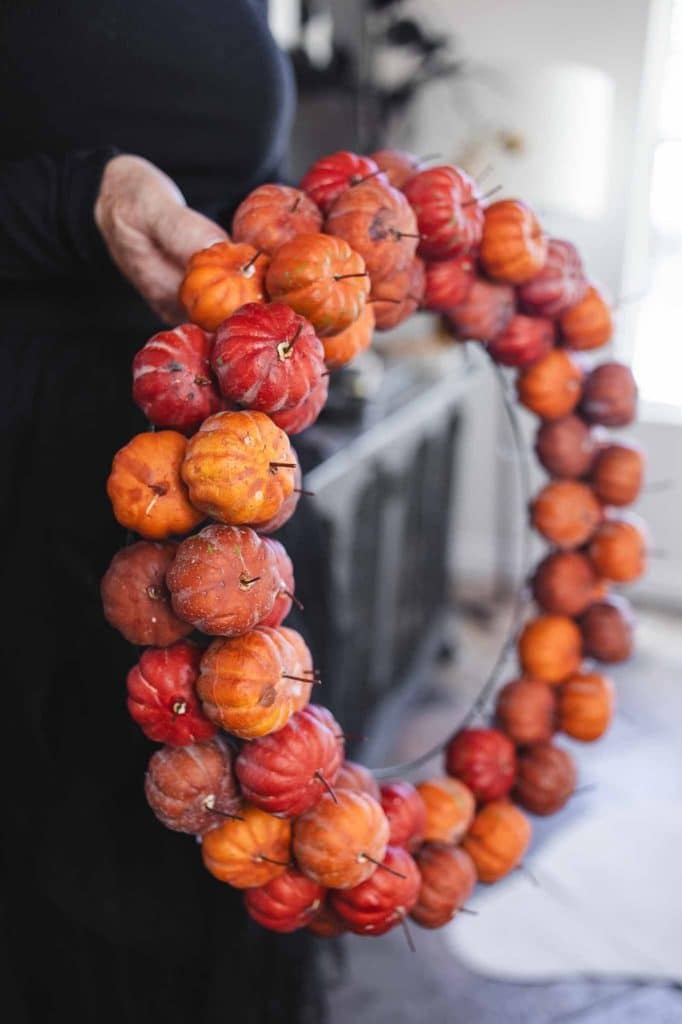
{"x": 358, "y": 181}
{"x": 286, "y": 348}
{"x": 406, "y": 931}
{"x": 396, "y": 302}
{"x": 479, "y": 199}
{"x": 159, "y": 490}
{"x": 246, "y": 581}
{"x": 297, "y": 203}
{"x": 468, "y": 910}
{"x": 156, "y": 593}
{"x": 391, "y": 871}
{"x": 327, "y": 786}
{"x": 299, "y": 490}
{"x": 301, "y": 679}
{"x": 403, "y": 234}
{"x": 274, "y": 466}
{"x": 202, "y": 382}
{"x": 271, "y": 860}
{"x": 344, "y": 277}
{"x": 179, "y": 707}
{"x": 292, "y": 597}
{"x": 248, "y": 270}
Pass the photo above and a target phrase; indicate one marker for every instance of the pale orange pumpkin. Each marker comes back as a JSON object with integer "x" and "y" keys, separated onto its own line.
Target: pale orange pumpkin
{"x": 514, "y": 246}
{"x": 220, "y": 279}
{"x": 145, "y": 487}
{"x": 497, "y": 840}
{"x": 618, "y": 550}
{"x": 239, "y": 468}
{"x": 343, "y": 347}
{"x": 589, "y": 323}
{"x": 566, "y": 512}
{"x": 550, "y": 648}
{"x": 617, "y": 474}
{"x": 248, "y": 852}
{"x": 450, "y": 807}
{"x": 339, "y": 842}
{"x": 585, "y": 706}
{"x": 448, "y": 878}
{"x": 551, "y": 387}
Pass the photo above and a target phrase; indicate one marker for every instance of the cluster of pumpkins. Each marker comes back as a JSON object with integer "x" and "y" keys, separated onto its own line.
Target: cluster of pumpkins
{"x": 247, "y": 764}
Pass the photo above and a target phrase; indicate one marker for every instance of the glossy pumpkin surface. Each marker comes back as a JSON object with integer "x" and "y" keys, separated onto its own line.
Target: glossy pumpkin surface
{"x": 380, "y": 902}
{"x": 484, "y": 760}
{"x": 449, "y": 214}
{"x": 220, "y": 279}
{"x": 162, "y": 697}
{"x": 248, "y": 852}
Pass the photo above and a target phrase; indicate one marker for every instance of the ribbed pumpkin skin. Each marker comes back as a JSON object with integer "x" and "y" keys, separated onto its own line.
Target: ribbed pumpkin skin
{"x": 341, "y": 348}
{"x": 449, "y": 214}
{"x": 448, "y": 878}
{"x": 560, "y": 285}
{"x": 448, "y": 282}
{"x": 609, "y": 396}
{"x": 618, "y": 550}
{"x": 565, "y": 583}
{"x": 191, "y": 788}
{"x": 485, "y": 312}
{"x": 484, "y": 760}
{"x": 274, "y": 214}
{"x": 135, "y": 599}
{"x": 513, "y": 245}
{"x": 497, "y": 840}
{"x": 550, "y": 648}
{"x": 287, "y": 584}
{"x": 285, "y": 772}
{"x": 146, "y": 490}
{"x": 172, "y": 380}
{"x": 524, "y": 340}
{"x": 333, "y": 840}
{"x": 379, "y": 903}
{"x": 450, "y": 807}
{"x": 266, "y": 357}
{"x": 298, "y": 419}
{"x": 224, "y": 580}
{"x": 406, "y": 813}
{"x": 229, "y": 468}
{"x": 395, "y": 298}
{"x": 617, "y": 474}
{"x": 243, "y": 686}
{"x": 161, "y": 695}
{"x": 525, "y": 711}
{"x": 286, "y": 903}
{"x": 552, "y": 386}
{"x": 234, "y": 852}
{"x": 545, "y": 779}
{"x": 288, "y": 506}
{"x": 220, "y": 279}
{"x": 397, "y": 164}
{"x": 566, "y": 447}
{"x": 607, "y": 629}
{"x": 566, "y": 512}
{"x": 588, "y": 324}
{"x": 585, "y": 706}
{"x": 376, "y": 220}
{"x": 357, "y": 778}
{"x": 332, "y": 175}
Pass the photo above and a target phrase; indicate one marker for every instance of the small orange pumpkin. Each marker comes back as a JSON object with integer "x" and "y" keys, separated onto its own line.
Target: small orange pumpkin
{"x": 357, "y": 778}
{"x": 220, "y": 279}
{"x": 251, "y": 685}
{"x": 550, "y": 648}
{"x": 566, "y": 512}
{"x": 617, "y": 474}
{"x": 145, "y": 487}
{"x": 525, "y": 710}
{"x": 248, "y": 852}
{"x": 618, "y": 550}
{"x": 588, "y": 324}
{"x": 239, "y": 468}
{"x": 545, "y": 779}
{"x": 448, "y": 878}
{"x": 585, "y": 706}
{"x": 274, "y": 214}
{"x": 321, "y": 278}
{"x": 341, "y": 348}
{"x": 450, "y": 807}
{"x": 565, "y": 583}
{"x": 551, "y": 387}
{"x": 340, "y": 841}
{"x": 514, "y": 246}
{"x": 497, "y": 840}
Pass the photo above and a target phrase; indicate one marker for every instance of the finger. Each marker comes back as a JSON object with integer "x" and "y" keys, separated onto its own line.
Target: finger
{"x": 181, "y": 232}
{"x": 157, "y": 279}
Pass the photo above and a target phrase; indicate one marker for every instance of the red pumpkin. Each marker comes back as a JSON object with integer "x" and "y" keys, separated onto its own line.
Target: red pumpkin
{"x": 585, "y": 706}
{"x": 224, "y": 580}
{"x": 249, "y": 851}
{"x": 449, "y": 214}
{"x": 193, "y": 788}
{"x": 448, "y": 282}
{"x": 484, "y": 760}
{"x": 288, "y": 771}
{"x": 513, "y": 244}
{"x": 378, "y": 222}
{"x": 550, "y": 648}
{"x": 331, "y": 176}
{"x": 380, "y": 902}
{"x": 609, "y": 396}
{"x": 545, "y": 779}
{"x": 267, "y": 357}
{"x": 286, "y": 903}
{"x": 339, "y": 841}
{"x": 607, "y": 629}
{"x": 566, "y": 512}
{"x": 566, "y": 447}
{"x": 272, "y": 215}
{"x": 497, "y": 840}
{"x": 321, "y": 278}
{"x": 357, "y": 778}
{"x": 588, "y": 324}
{"x": 448, "y": 878}
{"x": 397, "y": 164}
{"x": 220, "y": 279}
{"x": 617, "y": 474}
{"x": 485, "y": 312}
{"x": 565, "y": 583}
{"x": 524, "y": 340}
{"x": 343, "y": 347}
{"x": 287, "y": 584}
{"x": 172, "y": 380}
{"x": 618, "y": 550}
{"x": 552, "y": 386}
{"x": 135, "y": 598}
{"x": 395, "y": 298}
{"x": 525, "y": 711}
{"x": 162, "y": 697}
{"x": 406, "y": 813}
{"x": 559, "y": 286}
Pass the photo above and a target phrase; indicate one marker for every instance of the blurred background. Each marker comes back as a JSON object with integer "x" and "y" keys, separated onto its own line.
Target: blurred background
{"x": 577, "y": 108}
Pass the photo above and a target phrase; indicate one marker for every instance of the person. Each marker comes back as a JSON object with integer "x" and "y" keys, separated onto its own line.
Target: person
{"x": 131, "y": 131}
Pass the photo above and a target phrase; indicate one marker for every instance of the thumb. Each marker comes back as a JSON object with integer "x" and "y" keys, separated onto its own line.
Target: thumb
{"x": 181, "y": 232}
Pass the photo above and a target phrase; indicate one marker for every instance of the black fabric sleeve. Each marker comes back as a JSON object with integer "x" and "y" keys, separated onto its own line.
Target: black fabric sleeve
{"x": 47, "y": 227}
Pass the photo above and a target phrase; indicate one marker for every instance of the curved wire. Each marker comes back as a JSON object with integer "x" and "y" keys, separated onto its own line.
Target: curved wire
{"x": 518, "y": 607}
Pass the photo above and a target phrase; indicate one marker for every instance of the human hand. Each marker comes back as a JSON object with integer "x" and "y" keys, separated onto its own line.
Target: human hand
{"x": 149, "y": 231}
